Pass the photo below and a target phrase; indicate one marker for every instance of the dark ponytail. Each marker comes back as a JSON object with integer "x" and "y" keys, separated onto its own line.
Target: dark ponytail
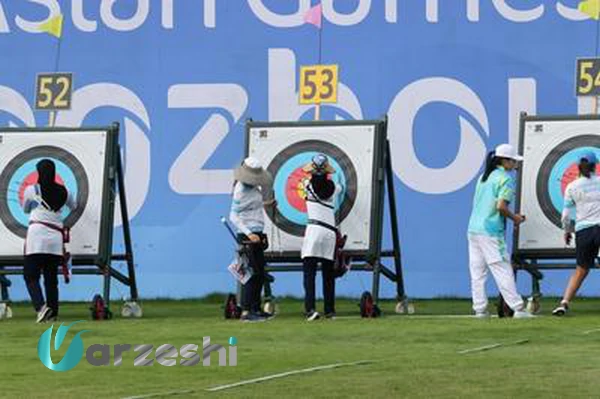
{"x": 491, "y": 163}
{"x": 587, "y": 169}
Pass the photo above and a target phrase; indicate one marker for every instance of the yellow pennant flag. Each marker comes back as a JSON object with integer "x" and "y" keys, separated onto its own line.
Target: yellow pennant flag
{"x": 591, "y": 8}
{"x": 53, "y": 26}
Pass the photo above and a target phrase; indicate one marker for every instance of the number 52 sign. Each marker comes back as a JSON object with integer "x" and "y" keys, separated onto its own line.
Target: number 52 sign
{"x": 318, "y": 84}
{"x": 53, "y": 91}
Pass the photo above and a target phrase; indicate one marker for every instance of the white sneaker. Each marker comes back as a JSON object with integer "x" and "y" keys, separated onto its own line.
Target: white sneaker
{"x": 482, "y": 315}
{"x": 312, "y": 316}
{"x": 43, "y": 314}
{"x": 522, "y": 314}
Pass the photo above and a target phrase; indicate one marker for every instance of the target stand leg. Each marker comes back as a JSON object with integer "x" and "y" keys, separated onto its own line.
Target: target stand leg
{"x": 106, "y": 272}
{"x": 376, "y": 277}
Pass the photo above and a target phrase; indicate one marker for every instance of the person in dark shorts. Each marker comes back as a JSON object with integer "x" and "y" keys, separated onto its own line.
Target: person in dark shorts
{"x": 44, "y": 245}
{"x": 581, "y": 215}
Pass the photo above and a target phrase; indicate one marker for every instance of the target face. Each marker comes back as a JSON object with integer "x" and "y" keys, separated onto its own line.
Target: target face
{"x": 289, "y": 177}
{"x": 552, "y": 149}
{"x": 286, "y": 150}
{"x": 80, "y": 158}
{"x": 21, "y": 172}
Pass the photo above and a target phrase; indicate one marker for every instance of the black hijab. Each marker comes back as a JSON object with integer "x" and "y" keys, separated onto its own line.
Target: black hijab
{"x": 53, "y": 194}
{"x": 322, "y": 186}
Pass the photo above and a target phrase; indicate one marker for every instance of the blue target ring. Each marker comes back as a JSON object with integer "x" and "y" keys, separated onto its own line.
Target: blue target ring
{"x": 286, "y": 167}
{"x": 18, "y": 173}
{"x": 558, "y": 169}
{"x": 281, "y": 189}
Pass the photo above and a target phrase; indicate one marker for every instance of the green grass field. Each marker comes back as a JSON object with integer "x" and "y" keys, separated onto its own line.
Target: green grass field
{"x": 416, "y": 356}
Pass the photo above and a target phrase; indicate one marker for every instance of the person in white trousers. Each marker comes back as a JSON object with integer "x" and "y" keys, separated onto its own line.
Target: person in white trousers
{"x": 487, "y": 225}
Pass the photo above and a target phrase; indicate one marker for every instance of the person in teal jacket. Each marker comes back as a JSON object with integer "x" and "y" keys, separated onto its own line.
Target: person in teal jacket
{"x": 486, "y": 233}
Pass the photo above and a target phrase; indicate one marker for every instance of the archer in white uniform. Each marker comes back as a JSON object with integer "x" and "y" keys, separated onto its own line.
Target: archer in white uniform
{"x": 44, "y": 249}
{"x": 582, "y": 197}
{"x": 319, "y": 242}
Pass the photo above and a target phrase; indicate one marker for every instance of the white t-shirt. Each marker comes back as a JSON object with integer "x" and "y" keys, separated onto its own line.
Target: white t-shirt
{"x": 583, "y": 197}
{"x": 42, "y": 239}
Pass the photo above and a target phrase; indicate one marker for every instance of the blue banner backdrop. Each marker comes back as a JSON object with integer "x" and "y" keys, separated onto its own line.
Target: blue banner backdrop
{"x": 183, "y": 76}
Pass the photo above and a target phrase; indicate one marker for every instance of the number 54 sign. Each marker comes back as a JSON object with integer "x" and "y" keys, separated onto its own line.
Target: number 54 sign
{"x": 318, "y": 84}
{"x": 588, "y": 77}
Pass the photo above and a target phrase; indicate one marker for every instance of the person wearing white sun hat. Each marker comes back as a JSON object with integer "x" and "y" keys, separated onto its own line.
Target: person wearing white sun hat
{"x": 487, "y": 224}
{"x": 251, "y": 182}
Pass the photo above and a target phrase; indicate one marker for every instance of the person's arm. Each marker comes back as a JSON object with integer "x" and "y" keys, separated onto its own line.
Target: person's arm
{"x": 29, "y": 201}
{"x": 506, "y": 194}
{"x": 567, "y": 221}
{"x": 237, "y": 207}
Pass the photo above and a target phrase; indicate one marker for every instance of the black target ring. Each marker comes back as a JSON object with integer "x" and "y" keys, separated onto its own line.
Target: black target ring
{"x": 335, "y": 154}
{"x": 544, "y": 175}
{"x": 49, "y": 152}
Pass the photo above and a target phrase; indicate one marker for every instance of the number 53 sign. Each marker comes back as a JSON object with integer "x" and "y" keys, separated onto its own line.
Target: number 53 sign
{"x": 318, "y": 84}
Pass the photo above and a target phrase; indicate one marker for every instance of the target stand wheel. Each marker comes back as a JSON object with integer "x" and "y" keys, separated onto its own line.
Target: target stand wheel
{"x": 533, "y": 305}
{"x": 405, "y": 307}
{"x": 131, "y": 309}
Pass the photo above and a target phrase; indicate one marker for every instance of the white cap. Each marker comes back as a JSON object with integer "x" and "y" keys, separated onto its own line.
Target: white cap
{"x": 507, "y": 151}
{"x": 253, "y": 163}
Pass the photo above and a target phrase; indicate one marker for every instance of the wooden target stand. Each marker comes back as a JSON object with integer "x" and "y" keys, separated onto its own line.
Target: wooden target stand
{"x": 101, "y": 265}
{"x": 372, "y": 262}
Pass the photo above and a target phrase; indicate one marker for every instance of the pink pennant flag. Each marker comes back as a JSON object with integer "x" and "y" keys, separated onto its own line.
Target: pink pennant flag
{"x": 313, "y": 16}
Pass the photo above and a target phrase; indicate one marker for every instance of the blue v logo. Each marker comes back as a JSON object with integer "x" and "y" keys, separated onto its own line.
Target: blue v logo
{"x": 74, "y": 352}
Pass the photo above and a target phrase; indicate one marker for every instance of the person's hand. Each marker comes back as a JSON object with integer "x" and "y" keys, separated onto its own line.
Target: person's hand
{"x": 519, "y": 219}
{"x": 254, "y": 237}
{"x": 271, "y": 202}
{"x": 568, "y": 237}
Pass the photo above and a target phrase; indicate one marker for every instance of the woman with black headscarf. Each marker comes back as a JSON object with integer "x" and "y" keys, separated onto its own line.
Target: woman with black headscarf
{"x": 44, "y": 245}
{"x": 319, "y": 242}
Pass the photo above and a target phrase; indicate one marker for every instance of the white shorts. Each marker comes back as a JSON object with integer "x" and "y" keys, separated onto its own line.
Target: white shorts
{"x": 487, "y": 249}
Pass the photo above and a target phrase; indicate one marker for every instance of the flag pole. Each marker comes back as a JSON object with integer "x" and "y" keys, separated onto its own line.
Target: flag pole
{"x": 318, "y": 106}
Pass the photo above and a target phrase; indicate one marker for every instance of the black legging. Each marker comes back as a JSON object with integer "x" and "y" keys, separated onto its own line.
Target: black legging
{"x": 35, "y": 265}
{"x": 310, "y": 273}
{"x": 252, "y": 290}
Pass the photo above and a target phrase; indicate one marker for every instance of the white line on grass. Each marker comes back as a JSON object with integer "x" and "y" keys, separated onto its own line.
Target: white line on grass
{"x": 161, "y": 394}
{"x": 252, "y": 381}
{"x": 591, "y": 331}
{"x": 287, "y": 374}
{"x": 492, "y": 346}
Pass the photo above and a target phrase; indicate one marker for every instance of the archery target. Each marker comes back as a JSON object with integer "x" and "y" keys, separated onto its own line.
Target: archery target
{"x": 285, "y": 150}
{"x": 551, "y": 151}
{"x": 80, "y": 166}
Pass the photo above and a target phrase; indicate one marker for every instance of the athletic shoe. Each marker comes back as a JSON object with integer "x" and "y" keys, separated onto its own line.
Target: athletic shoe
{"x": 44, "y": 312}
{"x": 330, "y": 316}
{"x": 522, "y": 314}
{"x": 482, "y": 315}
{"x": 561, "y": 309}
{"x": 251, "y": 318}
{"x": 312, "y": 316}
{"x": 266, "y": 315}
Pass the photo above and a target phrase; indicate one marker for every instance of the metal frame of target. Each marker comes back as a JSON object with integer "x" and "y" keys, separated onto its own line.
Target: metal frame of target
{"x": 538, "y": 246}
{"x": 288, "y": 218}
{"x": 71, "y": 171}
